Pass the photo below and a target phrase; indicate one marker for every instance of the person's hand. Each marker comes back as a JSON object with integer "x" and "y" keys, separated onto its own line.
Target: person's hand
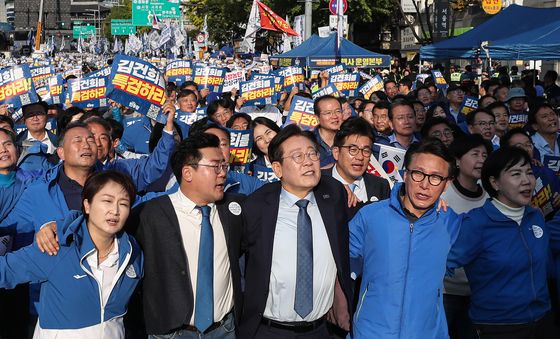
{"x": 169, "y": 109}
{"x": 556, "y": 200}
{"x": 294, "y": 91}
{"x": 4, "y": 109}
{"x": 47, "y": 239}
{"x": 204, "y": 93}
{"x": 239, "y": 103}
{"x": 537, "y": 162}
{"x": 352, "y": 198}
{"x": 442, "y": 205}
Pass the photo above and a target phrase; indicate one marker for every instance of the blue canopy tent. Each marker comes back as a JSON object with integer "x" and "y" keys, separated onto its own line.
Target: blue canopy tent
{"x": 516, "y": 31}
{"x": 322, "y": 52}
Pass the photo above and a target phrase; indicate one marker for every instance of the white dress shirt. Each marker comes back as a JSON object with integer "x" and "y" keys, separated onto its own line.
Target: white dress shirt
{"x": 190, "y": 221}
{"x": 268, "y": 111}
{"x": 359, "y": 190}
{"x": 282, "y": 286}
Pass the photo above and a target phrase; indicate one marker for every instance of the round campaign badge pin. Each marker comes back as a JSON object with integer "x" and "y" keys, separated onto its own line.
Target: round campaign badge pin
{"x": 537, "y": 231}
{"x": 373, "y": 199}
{"x": 234, "y": 208}
{"x": 130, "y": 272}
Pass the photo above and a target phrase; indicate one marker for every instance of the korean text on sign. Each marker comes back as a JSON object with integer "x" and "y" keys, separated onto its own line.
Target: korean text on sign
{"x": 88, "y": 92}
{"x": 209, "y": 77}
{"x": 240, "y": 146}
{"x": 258, "y": 91}
{"x": 347, "y": 83}
{"x": 138, "y": 85}
{"x": 302, "y": 113}
{"x": 16, "y": 86}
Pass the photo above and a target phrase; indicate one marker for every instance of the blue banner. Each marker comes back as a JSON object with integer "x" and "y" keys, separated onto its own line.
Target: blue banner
{"x": 293, "y": 76}
{"x": 347, "y": 83}
{"x": 302, "y": 114}
{"x": 439, "y": 80}
{"x": 258, "y": 91}
{"x": 88, "y": 92}
{"x": 327, "y": 90}
{"x": 240, "y": 146}
{"x": 264, "y": 173}
{"x": 179, "y": 71}
{"x": 16, "y": 87}
{"x": 139, "y": 85}
{"x": 373, "y": 85}
{"x": 209, "y": 77}
{"x": 278, "y": 82}
{"x": 469, "y": 104}
{"x": 553, "y": 163}
{"x": 103, "y": 72}
{"x": 40, "y": 74}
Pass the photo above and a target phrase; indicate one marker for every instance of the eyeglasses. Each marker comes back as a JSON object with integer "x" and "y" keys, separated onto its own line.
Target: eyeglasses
{"x": 221, "y": 167}
{"x": 438, "y": 134}
{"x": 328, "y": 114}
{"x": 485, "y": 123}
{"x": 299, "y": 157}
{"x": 353, "y": 150}
{"x": 433, "y": 179}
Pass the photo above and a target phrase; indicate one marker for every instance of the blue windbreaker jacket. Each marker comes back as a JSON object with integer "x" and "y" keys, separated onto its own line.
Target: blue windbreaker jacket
{"x": 403, "y": 266}
{"x": 506, "y": 264}
{"x": 68, "y": 299}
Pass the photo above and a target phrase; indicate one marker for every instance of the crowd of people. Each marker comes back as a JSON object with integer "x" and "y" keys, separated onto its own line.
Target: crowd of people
{"x": 113, "y": 225}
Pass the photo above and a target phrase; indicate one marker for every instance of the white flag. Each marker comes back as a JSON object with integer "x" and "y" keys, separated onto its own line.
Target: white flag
{"x": 253, "y": 26}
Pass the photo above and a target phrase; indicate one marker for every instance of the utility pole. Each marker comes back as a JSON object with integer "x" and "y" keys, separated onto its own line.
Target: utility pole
{"x": 308, "y": 18}
{"x": 39, "y": 27}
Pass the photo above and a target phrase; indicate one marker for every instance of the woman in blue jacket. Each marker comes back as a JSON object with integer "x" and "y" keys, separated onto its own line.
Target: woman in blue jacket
{"x": 86, "y": 287}
{"x": 503, "y": 247}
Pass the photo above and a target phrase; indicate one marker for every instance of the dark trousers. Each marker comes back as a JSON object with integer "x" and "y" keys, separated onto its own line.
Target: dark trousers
{"x": 267, "y": 332}
{"x": 541, "y": 329}
{"x": 457, "y": 313}
{"x": 14, "y": 313}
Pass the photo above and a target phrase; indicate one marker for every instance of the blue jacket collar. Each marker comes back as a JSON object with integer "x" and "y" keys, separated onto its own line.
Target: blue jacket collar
{"x": 395, "y": 203}
{"x": 495, "y": 215}
{"x": 75, "y": 226}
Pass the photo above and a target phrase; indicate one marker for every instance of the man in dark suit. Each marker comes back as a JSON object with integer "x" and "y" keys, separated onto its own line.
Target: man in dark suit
{"x": 191, "y": 242}
{"x": 296, "y": 244}
{"x": 352, "y": 150}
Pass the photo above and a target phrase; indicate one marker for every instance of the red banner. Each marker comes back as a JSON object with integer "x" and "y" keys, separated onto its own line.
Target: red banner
{"x": 271, "y": 21}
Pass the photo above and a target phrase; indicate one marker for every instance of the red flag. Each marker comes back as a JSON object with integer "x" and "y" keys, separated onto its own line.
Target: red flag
{"x": 271, "y": 21}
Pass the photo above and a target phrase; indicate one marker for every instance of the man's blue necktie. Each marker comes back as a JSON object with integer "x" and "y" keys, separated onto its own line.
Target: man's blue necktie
{"x": 204, "y": 308}
{"x": 352, "y": 187}
{"x": 303, "y": 304}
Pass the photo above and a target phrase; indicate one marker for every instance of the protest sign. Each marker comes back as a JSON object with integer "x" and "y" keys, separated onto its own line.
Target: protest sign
{"x": 553, "y": 163}
{"x": 347, "y": 83}
{"x": 88, "y": 92}
{"x": 302, "y": 114}
{"x": 16, "y": 87}
{"x": 40, "y": 74}
{"x": 440, "y": 82}
{"x": 139, "y": 85}
{"x": 278, "y": 82}
{"x": 258, "y": 91}
{"x": 328, "y": 90}
{"x": 373, "y": 85}
{"x": 293, "y": 76}
{"x": 264, "y": 173}
{"x": 103, "y": 72}
{"x": 542, "y": 196}
{"x": 232, "y": 80}
{"x": 340, "y": 68}
{"x": 241, "y": 143}
{"x": 392, "y": 161}
{"x": 52, "y": 92}
{"x": 189, "y": 118}
{"x": 209, "y": 77}
{"x": 469, "y": 104}
{"x": 179, "y": 71}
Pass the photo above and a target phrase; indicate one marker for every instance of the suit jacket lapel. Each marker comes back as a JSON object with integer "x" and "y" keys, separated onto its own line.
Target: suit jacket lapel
{"x": 325, "y": 201}
{"x": 269, "y": 216}
{"x": 223, "y": 213}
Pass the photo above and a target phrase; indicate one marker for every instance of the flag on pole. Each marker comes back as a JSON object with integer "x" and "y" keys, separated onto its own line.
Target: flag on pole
{"x": 253, "y": 26}
{"x": 62, "y": 44}
{"x": 272, "y": 21}
{"x": 287, "y": 45}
